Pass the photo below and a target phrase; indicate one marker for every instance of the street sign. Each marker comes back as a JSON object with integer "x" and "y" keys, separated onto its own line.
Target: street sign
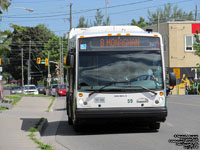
{"x": 48, "y": 79}
{"x": 43, "y": 62}
{"x": 1, "y": 77}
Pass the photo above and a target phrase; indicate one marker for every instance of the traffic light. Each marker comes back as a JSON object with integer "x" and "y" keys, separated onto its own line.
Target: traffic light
{"x": 0, "y": 61}
{"x": 46, "y": 61}
{"x": 38, "y": 60}
{"x": 65, "y": 60}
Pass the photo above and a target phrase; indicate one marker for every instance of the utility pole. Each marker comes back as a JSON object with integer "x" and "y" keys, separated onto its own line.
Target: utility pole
{"x": 106, "y": 12}
{"x": 70, "y": 19}
{"x": 60, "y": 73}
{"x": 158, "y": 28}
{"x": 195, "y": 13}
{"x": 48, "y": 70}
{"x": 29, "y": 63}
{"x": 22, "y": 63}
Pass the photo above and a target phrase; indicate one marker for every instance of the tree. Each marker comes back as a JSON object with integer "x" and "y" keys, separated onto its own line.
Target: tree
{"x": 168, "y": 13}
{"x": 98, "y": 18}
{"x": 4, "y": 4}
{"x": 5, "y": 40}
{"x": 107, "y": 21}
{"x": 53, "y": 47}
{"x": 82, "y": 23}
{"x": 141, "y": 23}
{"x": 196, "y": 46}
{"x": 26, "y": 38}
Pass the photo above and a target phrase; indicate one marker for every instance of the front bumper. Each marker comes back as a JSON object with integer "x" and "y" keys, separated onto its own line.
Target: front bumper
{"x": 144, "y": 114}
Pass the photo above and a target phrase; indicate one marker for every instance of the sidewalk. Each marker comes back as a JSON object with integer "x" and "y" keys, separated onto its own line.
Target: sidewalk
{"x": 15, "y": 123}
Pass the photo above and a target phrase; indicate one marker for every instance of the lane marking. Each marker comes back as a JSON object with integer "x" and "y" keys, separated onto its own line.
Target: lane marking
{"x": 184, "y": 104}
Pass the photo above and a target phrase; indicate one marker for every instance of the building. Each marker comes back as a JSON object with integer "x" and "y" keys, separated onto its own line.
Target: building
{"x": 178, "y": 39}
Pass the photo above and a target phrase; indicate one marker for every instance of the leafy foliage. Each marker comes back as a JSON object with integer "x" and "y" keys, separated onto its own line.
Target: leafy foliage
{"x": 98, "y": 18}
{"x": 196, "y": 46}
{"x": 4, "y": 4}
{"x": 168, "y": 13}
{"x": 5, "y": 38}
{"x": 141, "y": 23}
{"x": 27, "y": 38}
{"x": 53, "y": 47}
{"x": 82, "y": 23}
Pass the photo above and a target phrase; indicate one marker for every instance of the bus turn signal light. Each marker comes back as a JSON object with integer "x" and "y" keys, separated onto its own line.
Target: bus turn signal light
{"x": 80, "y": 95}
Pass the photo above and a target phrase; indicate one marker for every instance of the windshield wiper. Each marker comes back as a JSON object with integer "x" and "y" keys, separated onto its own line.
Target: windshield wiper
{"x": 109, "y": 84}
{"x": 144, "y": 88}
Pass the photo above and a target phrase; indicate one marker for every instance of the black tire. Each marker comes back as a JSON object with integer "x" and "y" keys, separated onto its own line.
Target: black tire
{"x": 154, "y": 126}
{"x": 77, "y": 126}
{"x": 70, "y": 122}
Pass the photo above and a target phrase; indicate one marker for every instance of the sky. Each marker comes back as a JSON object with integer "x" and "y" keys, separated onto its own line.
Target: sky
{"x": 55, "y": 13}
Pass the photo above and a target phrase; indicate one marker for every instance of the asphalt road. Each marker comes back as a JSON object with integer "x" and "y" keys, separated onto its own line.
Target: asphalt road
{"x": 183, "y": 120}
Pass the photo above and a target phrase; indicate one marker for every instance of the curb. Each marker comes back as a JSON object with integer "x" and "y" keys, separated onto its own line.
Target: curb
{"x": 41, "y": 128}
{"x": 7, "y": 103}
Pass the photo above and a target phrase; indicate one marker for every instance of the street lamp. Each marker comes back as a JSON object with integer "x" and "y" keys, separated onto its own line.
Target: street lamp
{"x": 28, "y": 9}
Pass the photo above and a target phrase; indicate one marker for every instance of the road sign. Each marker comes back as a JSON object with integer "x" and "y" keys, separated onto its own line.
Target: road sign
{"x": 48, "y": 79}
{"x": 49, "y": 75}
{"x": 43, "y": 62}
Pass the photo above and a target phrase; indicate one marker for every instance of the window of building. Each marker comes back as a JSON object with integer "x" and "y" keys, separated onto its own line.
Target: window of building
{"x": 189, "y": 41}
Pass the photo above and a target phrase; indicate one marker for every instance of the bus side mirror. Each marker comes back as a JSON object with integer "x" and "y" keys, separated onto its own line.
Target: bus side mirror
{"x": 172, "y": 79}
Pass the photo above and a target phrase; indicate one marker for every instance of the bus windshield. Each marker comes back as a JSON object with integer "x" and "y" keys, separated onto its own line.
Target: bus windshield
{"x": 131, "y": 70}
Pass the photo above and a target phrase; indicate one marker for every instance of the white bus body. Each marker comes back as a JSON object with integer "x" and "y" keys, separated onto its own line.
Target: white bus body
{"x": 111, "y": 75}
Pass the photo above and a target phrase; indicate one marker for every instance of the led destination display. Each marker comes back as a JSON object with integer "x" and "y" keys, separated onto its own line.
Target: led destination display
{"x": 119, "y": 42}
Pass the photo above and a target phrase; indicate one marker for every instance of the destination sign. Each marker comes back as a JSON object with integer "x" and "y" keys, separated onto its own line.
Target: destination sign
{"x": 119, "y": 43}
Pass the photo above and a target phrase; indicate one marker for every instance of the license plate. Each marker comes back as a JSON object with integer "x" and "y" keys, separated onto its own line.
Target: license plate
{"x": 99, "y": 100}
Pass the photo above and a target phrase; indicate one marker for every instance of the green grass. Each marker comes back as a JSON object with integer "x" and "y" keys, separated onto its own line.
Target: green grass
{"x": 3, "y": 108}
{"x": 33, "y": 95}
{"x": 52, "y": 101}
{"x": 9, "y": 85}
{"x": 32, "y": 137}
{"x": 15, "y": 99}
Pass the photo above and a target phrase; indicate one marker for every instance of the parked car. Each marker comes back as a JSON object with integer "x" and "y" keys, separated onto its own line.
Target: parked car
{"x": 53, "y": 89}
{"x": 61, "y": 90}
{"x": 41, "y": 89}
{"x": 30, "y": 89}
{"x": 16, "y": 90}
{"x": 12, "y": 82}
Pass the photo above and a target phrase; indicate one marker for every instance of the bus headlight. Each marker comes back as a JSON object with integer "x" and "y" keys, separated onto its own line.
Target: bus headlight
{"x": 82, "y": 102}
{"x": 161, "y": 99}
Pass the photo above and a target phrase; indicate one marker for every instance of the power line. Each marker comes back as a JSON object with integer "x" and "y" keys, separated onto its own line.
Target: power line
{"x": 83, "y": 11}
{"x": 37, "y": 1}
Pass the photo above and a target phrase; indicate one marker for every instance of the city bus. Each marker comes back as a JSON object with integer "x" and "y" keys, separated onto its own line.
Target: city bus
{"x": 116, "y": 72}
